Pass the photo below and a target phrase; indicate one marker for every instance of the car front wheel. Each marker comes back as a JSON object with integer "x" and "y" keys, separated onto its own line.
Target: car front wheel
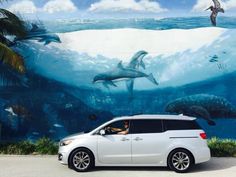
{"x": 180, "y": 160}
{"x": 81, "y": 160}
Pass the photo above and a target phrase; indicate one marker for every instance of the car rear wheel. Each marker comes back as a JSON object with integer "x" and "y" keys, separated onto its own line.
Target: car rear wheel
{"x": 180, "y": 160}
{"x": 81, "y": 160}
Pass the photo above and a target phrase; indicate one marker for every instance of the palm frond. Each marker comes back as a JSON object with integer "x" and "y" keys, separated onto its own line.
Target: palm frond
{"x": 9, "y": 78}
{"x": 6, "y": 41}
{"x": 10, "y": 24}
{"x": 11, "y": 58}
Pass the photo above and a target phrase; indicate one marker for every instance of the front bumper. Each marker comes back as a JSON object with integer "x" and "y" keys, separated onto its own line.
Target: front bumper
{"x": 63, "y": 156}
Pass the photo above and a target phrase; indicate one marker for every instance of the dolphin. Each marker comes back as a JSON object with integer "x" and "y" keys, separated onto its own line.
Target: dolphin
{"x": 203, "y": 106}
{"x": 215, "y": 10}
{"x": 46, "y": 38}
{"x": 120, "y": 73}
{"x": 137, "y": 60}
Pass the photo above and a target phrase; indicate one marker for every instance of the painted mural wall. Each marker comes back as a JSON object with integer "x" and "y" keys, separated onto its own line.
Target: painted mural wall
{"x": 68, "y": 66}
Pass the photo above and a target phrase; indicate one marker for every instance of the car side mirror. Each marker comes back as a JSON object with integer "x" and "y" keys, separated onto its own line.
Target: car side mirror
{"x": 102, "y": 132}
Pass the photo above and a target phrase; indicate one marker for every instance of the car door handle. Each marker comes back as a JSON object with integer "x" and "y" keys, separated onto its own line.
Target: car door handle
{"x": 124, "y": 139}
{"x": 138, "y": 139}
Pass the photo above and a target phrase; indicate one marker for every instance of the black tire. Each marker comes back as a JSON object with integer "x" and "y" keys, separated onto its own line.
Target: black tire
{"x": 180, "y": 160}
{"x": 81, "y": 160}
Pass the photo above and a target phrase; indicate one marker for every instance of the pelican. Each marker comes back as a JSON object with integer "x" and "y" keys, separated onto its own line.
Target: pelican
{"x": 215, "y": 9}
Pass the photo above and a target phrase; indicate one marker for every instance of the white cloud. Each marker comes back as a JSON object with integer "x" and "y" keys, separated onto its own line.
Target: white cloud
{"x": 231, "y": 4}
{"x": 25, "y": 7}
{"x": 52, "y": 6}
{"x": 59, "y": 6}
{"x": 203, "y": 4}
{"x": 126, "y": 5}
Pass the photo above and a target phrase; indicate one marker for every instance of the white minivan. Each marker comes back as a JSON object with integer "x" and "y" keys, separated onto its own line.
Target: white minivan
{"x": 175, "y": 141}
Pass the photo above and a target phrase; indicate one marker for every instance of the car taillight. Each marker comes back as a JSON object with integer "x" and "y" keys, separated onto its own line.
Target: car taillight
{"x": 203, "y": 136}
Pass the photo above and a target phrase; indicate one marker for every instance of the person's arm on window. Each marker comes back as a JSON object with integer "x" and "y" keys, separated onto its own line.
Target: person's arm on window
{"x": 115, "y": 129}
{"x": 123, "y": 132}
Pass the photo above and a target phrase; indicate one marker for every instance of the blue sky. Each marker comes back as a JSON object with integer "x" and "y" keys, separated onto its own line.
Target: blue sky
{"x": 113, "y": 8}
{"x": 172, "y": 4}
{"x": 84, "y": 4}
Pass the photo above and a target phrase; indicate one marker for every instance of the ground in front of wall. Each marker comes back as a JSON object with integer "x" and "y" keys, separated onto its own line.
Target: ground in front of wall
{"x": 48, "y": 166}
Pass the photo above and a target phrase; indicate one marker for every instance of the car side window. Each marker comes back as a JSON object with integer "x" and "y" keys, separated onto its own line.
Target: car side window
{"x": 146, "y": 126}
{"x": 180, "y": 125}
{"x": 116, "y": 127}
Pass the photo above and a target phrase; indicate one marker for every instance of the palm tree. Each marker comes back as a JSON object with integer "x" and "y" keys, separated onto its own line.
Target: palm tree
{"x": 10, "y": 24}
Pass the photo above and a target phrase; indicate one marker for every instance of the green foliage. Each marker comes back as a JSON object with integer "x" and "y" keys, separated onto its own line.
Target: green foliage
{"x": 41, "y": 146}
{"x": 10, "y": 24}
{"x": 222, "y": 147}
{"x": 46, "y": 146}
{"x": 12, "y": 59}
{"x": 21, "y": 148}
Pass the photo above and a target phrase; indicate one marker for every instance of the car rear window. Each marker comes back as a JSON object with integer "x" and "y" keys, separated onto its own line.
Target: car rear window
{"x": 180, "y": 125}
{"x": 146, "y": 126}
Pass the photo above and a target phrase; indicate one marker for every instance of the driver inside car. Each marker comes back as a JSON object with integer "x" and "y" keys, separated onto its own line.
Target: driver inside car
{"x": 120, "y": 131}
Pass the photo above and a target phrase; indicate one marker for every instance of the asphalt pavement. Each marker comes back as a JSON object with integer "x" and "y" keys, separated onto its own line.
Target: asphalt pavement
{"x": 48, "y": 166}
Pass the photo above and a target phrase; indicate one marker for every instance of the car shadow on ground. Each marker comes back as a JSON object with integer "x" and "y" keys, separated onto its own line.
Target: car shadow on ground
{"x": 213, "y": 165}
{"x": 131, "y": 169}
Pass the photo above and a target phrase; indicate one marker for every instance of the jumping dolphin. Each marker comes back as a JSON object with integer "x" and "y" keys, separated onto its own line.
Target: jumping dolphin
{"x": 39, "y": 33}
{"x": 203, "y": 106}
{"x": 137, "y": 60}
{"x": 215, "y": 10}
{"x": 46, "y": 38}
{"x": 121, "y": 73}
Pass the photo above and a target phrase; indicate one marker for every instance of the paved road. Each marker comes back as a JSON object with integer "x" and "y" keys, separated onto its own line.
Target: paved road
{"x": 48, "y": 166}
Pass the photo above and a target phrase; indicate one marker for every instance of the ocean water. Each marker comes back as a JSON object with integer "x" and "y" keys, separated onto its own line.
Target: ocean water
{"x": 175, "y": 56}
{"x": 138, "y": 23}
{"x": 186, "y": 56}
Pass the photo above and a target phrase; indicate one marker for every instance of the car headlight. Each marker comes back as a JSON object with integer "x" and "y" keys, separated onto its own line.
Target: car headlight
{"x": 65, "y": 142}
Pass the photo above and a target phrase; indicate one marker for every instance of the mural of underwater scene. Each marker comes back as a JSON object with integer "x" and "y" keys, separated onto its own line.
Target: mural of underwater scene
{"x": 63, "y": 76}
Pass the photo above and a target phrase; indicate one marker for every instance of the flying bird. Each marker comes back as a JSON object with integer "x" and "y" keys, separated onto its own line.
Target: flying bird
{"x": 215, "y": 10}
